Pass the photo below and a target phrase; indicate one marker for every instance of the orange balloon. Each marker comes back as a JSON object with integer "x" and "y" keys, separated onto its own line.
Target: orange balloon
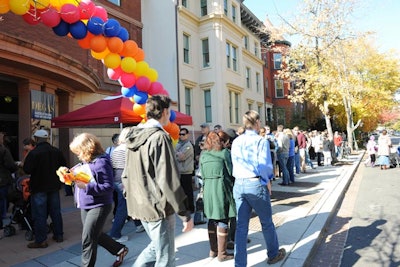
{"x": 4, "y": 6}
{"x": 139, "y": 55}
{"x": 85, "y": 42}
{"x": 139, "y": 109}
{"x": 173, "y": 130}
{"x": 115, "y": 45}
{"x": 98, "y": 43}
{"x": 130, "y": 48}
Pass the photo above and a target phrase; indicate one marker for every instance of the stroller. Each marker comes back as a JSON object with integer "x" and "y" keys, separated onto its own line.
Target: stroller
{"x": 394, "y": 157}
{"x": 19, "y": 196}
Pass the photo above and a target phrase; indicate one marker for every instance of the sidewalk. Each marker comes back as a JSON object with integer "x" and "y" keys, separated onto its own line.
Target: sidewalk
{"x": 300, "y": 214}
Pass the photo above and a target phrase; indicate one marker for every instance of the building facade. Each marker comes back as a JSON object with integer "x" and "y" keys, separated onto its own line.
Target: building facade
{"x": 220, "y": 64}
{"x": 34, "y": 59}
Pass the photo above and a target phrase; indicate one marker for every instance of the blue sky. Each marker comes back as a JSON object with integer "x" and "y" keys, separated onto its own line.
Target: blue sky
{"x": 379, "y": 16}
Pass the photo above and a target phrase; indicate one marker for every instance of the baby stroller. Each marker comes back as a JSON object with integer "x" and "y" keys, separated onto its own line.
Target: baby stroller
{"x": 394, "y": 156}
{"x": 20, "y": 198}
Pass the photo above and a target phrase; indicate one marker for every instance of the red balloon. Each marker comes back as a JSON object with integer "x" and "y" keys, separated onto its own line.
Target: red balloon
{"x": 127, "y": 79}
{"x": 156, "y": 88}
{"x": 50, "y": 17}
{"x": 143, "y": 84}
{"x": 70, "y": 13}
{"x": 114, "y": 74}
{"x": 100, "y": 12}
{"x": 86, "y": 9}
{"x": 32, "y": 17}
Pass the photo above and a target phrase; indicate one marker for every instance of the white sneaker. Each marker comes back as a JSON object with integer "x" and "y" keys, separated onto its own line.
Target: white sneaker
{"x": 122, "y": 239}
{"x": 139, "y": 229}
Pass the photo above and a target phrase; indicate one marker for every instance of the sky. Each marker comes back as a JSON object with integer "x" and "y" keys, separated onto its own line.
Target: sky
{"x": 379, "y": 16}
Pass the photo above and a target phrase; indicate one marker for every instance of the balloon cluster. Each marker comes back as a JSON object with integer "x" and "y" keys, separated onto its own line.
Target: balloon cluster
{"x": 107, "y": 41}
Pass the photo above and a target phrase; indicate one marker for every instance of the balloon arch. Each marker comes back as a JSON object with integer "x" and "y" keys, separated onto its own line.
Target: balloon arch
{"x": 107, "y": 41}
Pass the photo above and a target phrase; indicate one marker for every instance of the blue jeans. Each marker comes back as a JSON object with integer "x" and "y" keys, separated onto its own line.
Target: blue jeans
{"x": 121, "y": 212}
{"x": 161, "y": 250}
{"x": 282, "y": 160}
{"x": 297, "y": 162}
{"x": 290, "y": 166}
{"x": 3, "y": 203}
{"x": 44, "y": 204}
{"x": 252, "y": 195}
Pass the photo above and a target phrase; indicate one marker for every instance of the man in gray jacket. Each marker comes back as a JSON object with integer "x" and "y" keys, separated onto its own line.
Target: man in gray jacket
{"x": 185, "y": 158}
{"x": 151, "y": 181}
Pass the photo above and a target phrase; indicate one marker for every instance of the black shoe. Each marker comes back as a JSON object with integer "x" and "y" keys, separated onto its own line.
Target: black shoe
{"x": 58, "y": 239}
{"x": 38, "y": 245}
{"x": 283, "y": 184}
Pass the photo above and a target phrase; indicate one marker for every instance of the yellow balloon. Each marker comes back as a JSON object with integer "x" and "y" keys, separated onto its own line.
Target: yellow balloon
{"x": 152, "y": 74}
{"x": 19, "y": 7}
{"x": 128, "y": 64}
{"x": 100, "y": 55}
{"x": 56, "y": 4}
{"x": 112, "y": 60}
{"x": 4, "y": 6}
{"x": 40, "y": 4}
{"x": 142, "y": 68}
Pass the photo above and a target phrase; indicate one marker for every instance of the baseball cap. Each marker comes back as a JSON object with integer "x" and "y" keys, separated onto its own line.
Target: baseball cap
{"x": 205, "y": 125}
{"x": 41, "y": 134}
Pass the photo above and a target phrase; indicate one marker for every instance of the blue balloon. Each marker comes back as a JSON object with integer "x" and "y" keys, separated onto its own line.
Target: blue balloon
{"x": 95, "y": 25}
{"x": 62, "y": 29}
{"x": 127, "y": 92}
{"x": 172, "y": 117}
{"x": 78, "y": 30}
{"x": 123, "y": 34}
{"x": 140, "y": 97}
{"x": 111, "y": 28}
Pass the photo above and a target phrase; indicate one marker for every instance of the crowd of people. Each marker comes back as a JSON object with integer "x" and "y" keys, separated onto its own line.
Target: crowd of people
{"x": 149, "y": 180}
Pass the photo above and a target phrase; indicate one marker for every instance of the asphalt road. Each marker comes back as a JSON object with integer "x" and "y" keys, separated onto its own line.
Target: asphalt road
{"x": 365, "y": 231}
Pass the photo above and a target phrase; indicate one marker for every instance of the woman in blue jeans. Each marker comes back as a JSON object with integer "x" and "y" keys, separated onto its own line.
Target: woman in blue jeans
{"x": 252, "y": 169}
{"x": 94, "y": 198}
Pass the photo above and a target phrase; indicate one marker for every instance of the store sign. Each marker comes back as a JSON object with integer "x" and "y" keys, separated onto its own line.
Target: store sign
{"x": 43, "y": 105}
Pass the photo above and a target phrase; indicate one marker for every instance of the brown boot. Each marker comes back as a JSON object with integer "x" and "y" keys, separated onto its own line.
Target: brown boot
{"x": 222, "y": 236}
{"x": 212, "y": 237}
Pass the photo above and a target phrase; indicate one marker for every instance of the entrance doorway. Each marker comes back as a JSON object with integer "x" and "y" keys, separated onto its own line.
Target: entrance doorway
{"x": 9, "y": 116}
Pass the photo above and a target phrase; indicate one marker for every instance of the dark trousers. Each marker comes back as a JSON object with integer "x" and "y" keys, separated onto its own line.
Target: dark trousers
{"x": 186, "y": 183}
{"x": 319, "y": 158}
{"x": 93, "y": 221}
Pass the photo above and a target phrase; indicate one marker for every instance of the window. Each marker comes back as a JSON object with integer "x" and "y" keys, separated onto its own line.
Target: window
{"x": 246, "y": 42}
{"x": 234, "y": 58}
{"x": 259, "y": 111}
{"x": 258, "y": 82}
{"x": 228, "y": 55}
{"x": 248, "y": 78}
{"x": 207, "y": 105}
{"x": 249, "y": 106}
{"x": 184, "y": 3}
{"x": 234, "y": 107}
{"x": 188, "y": 101}
{"x": 231, "y": 57}
{"x": 203, "y": 7}
{"x": 256, "y": 49}
{"x": 266, "y": 88}
{"x": 234, "y": 14}
{"x": 206, "y": 53}
{"x": 277, "y": 61}
{"x": 269, "y": 115}
{"x": 186, "y": 48}
{"x": 279, "y": 89}
{"x": 226, "y": 7}
{"x": 115, "y": 2}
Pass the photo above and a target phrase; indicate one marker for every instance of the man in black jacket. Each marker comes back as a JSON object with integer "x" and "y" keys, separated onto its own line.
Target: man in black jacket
{"x": 41, "y": 163}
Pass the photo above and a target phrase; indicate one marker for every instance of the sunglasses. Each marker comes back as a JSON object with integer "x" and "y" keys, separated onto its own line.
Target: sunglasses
{"x": 182, "y": 134}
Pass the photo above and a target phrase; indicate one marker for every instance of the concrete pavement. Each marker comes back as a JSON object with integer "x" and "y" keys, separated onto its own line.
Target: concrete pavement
{"x": 301, "y": 212}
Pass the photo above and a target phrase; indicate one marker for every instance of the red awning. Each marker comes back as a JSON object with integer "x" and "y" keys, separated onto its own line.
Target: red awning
{"x": 110, "y": 111}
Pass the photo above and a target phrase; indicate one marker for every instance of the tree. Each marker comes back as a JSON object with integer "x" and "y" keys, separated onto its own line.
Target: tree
{"x": 335, "y": 69}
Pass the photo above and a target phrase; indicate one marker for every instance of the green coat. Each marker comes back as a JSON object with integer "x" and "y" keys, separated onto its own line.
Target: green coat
{"x": 216, "y": 171}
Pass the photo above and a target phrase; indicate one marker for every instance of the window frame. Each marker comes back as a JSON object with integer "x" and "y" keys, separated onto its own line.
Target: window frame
{"x": 186, "y": 48}
{"x": 248, "y": 77}
{"x": 203, "y": 8}
{"x": 277, "y": 58}
{"x": 205, "y": 54}
{"x": 188, "y": 100}
{"x": 277, "y": 87}
{"x": 207, "y": 105}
